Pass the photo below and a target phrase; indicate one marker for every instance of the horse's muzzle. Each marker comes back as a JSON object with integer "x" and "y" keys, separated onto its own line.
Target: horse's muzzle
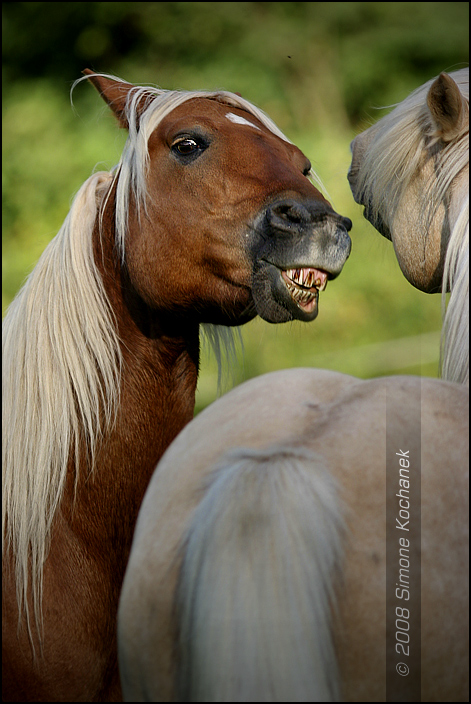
{"x": 298, "y": 245}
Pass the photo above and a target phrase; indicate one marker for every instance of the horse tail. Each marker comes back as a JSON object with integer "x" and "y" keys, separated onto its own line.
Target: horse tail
{"x": 256, "y": 593}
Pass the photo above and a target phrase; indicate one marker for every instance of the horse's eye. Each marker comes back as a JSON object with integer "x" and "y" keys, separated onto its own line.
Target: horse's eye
{"x": 185, "y": 146}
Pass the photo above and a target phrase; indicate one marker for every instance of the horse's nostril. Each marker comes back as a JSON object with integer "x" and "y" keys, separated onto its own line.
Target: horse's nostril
{"x": 289, "y": 212}
{"x": 292, "y": 212}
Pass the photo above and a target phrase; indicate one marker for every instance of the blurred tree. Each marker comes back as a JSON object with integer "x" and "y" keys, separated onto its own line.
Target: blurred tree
{"x": 53, "y": 39}
{"x": 359, "y": 49}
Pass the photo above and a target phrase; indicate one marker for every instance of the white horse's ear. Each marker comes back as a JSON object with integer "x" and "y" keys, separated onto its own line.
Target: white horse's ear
{"x": 448, "y": 108}
{"x": 115, "y": 93}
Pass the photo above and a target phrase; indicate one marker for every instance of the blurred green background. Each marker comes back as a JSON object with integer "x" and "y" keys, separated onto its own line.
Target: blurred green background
{"x": 320, "y": 70}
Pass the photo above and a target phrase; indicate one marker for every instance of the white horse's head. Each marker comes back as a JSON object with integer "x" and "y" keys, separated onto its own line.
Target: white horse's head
{"x": 410, "y": 171}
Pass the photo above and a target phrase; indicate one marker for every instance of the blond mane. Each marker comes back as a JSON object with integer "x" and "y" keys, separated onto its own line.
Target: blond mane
{"x": 61, "y": 369}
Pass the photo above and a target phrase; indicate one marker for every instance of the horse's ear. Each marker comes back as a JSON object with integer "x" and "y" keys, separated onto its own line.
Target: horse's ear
{"x": 115, "y": 94}
{"x": 449, "y": 109}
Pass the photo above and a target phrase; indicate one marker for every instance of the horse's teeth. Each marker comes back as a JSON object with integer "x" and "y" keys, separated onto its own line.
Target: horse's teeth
{"x": 307, "y": 278}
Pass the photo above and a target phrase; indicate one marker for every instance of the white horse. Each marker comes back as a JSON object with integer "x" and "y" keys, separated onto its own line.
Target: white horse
{"x": 305, "y": 538}
{"x": 411, "y": 172}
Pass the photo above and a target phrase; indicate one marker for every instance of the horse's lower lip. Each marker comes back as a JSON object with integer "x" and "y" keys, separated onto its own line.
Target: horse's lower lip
{"x": 282, "y": 293}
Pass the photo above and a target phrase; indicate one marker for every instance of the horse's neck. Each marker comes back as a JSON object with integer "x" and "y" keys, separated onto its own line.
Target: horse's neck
{"x": 160, "y": 356}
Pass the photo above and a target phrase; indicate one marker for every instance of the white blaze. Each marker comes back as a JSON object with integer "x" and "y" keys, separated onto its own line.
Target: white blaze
{"x": 240, "y": 120}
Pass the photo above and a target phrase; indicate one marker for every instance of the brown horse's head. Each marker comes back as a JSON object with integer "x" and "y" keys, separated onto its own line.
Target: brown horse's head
{"x": 223, "y": 222}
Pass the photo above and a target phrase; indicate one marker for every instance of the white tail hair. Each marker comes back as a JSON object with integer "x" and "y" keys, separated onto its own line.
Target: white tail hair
{"x": 256, "y": 596}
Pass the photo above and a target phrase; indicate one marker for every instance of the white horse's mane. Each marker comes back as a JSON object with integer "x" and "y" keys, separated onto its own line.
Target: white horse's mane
{"x": 454, "y": 353}
{"x": 61, "y": 352}
{"x": 394, "y": 156}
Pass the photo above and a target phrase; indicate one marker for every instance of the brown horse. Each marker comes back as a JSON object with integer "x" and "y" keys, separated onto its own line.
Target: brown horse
{"x": 209, "y": 218}
{"x": 267, "y": 563}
